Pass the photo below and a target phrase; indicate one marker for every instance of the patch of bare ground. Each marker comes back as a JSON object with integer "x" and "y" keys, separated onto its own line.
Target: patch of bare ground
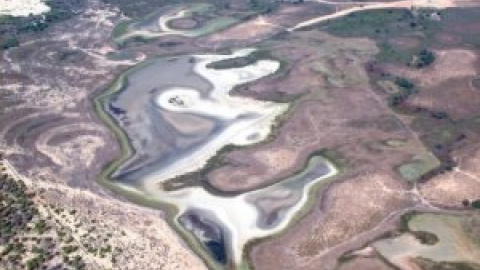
{"x": 246, "y": 33}
{"x": 462, "y": 183}
{"x": 456, "y": 97}
{"x": 449, "y": 64}
{"x": 365, "y": 264}
{"x": 50, "y": 96}
{"x": 332, "y": 78}
{"x": 466, "y": 3}
{"x": 289, "y": 15}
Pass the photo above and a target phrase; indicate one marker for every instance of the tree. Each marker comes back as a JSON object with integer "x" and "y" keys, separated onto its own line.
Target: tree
{"x": 476, "y": 204}
{"x": 9, "y": 42}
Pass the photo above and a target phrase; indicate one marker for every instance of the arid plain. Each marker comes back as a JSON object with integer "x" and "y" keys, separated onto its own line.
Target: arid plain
{"x": 239, "y": 134}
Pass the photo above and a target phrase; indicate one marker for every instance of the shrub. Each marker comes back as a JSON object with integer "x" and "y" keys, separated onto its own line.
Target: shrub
{"x": 476, "y": 204}
{"x": 404, "y": 83}
{"x": 8, "y": 42}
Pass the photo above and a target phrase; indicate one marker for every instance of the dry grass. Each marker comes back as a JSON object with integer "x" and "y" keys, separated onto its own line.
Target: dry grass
{"x": 451, "y": 188}
{"x": 131, "y": 237}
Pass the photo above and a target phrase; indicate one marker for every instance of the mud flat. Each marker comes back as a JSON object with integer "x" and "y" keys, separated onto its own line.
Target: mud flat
{"x": 171, "y": 116}
{"x": 178, "y": 114}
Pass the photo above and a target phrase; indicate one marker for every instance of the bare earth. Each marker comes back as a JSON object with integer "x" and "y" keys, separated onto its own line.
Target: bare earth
{"x": 52, "y": 139}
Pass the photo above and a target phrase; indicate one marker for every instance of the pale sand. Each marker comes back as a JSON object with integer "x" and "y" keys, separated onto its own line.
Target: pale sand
{"x": 22, "y": 8}
{"x": 220, "y": 105}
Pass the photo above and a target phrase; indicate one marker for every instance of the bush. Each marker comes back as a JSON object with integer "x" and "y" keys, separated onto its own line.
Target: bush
{"x": 476, "y": 204}
{"x": 69, "y": 249}
{"x": 404, "y": 83}
{"x": 439, "y": 115}
{"x": 426, "y": 58}
{"x": 41, "y": 226}
{"x": 8, "y": 42}
{"x": 33, "y": 263}
{"x": 407, "y": 88}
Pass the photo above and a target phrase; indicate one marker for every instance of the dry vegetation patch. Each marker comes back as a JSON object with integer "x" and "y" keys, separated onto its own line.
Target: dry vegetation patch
{"x": 462, "y": 183}
{"x": 76, "y": 229}
{"x": 449, "y": 64}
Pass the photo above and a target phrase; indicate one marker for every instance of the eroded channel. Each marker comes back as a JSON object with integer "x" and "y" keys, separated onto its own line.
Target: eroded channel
{"x": 177, "y": 113}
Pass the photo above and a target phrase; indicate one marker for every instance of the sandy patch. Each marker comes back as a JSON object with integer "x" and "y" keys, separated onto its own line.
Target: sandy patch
{"x": 23, "y": 8}
{"x": 449, "y": 64}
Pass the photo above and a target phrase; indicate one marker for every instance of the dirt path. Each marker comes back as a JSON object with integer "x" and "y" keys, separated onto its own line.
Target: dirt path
{"x": 372, "y": 6}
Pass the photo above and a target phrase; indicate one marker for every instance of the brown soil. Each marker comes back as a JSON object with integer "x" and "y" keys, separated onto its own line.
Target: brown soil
{"x": 449, "y": 64}
{"x": 319, "y": 114}
{"x": 342, "y": 219}
{"x": 455, "y": 97}
{"x": 365, "y": 264}
{"x": 463, "y": 183}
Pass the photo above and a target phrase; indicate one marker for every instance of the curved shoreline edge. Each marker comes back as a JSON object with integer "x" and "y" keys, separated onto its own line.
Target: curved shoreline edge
{"x": 126, "y": 150}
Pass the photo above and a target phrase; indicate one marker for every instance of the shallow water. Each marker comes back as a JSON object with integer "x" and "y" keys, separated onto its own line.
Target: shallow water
{"x": 178, "y": 113}
{"x": 157, "y": 24}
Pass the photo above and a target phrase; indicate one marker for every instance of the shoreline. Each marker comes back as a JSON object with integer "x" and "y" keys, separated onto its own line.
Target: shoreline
{"x": 171, "y": 210}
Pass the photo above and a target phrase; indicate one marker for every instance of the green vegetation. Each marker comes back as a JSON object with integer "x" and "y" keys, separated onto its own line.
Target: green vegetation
{"x": 140, "y": 8}
{"x": 407, "y": 88}
{"x": 426, "y": 238}
{"x": 120, "y": 29}
{"x": 27, "y": 235}
{"x": 8, "y": 42}
{"x": 404, "y": 83}
{"x": 391, "y": 53}
{"x": 16, "y": 208}
{"x": 239, "y": 62}
{"x": 385, "y": 26}
{"x": 476, "y": 204}
{"x": 381, "y": 24}
{"x": 34, "y": 263}
{"x": 209, "y": 16}
{"x": 41, "y": 227}
{"x": 69, "y": 249}
{"x": 264, "y": 6}
{"x": 418, "y": 166}
{"x": 406, "y": 37}
{"x": 423, "y": 59}
{"x": 454, "y": 234}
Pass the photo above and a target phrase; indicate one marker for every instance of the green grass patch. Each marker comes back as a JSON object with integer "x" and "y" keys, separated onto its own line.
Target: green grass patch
{"x": 406, "y": 89}
{"x": 243, "y": 61}
{"x": 381, "y": 24}
{"x": 120, "y": 29}
{"x": 393, "y": 54}
{"x": 418, "y": 166}
{"x": 8, "y": 42}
